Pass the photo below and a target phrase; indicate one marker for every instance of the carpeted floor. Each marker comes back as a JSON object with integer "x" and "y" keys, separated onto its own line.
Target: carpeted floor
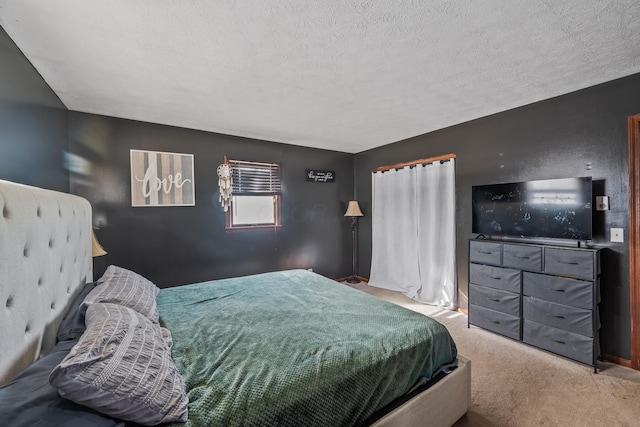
{"x": 513, "y": 384}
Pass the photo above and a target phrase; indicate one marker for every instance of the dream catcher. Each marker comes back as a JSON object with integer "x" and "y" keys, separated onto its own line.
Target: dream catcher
{"x": 224, "y": 182}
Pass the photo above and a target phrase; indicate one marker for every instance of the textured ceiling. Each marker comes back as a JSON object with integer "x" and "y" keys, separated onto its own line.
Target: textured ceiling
{"x": 343, "y": 75}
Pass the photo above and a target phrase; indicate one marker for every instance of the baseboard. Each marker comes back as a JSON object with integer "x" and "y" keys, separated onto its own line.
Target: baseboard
{"x": 362, "y": 279}
{"x": 463, "y": 311}
{"x": 617, "y": 360}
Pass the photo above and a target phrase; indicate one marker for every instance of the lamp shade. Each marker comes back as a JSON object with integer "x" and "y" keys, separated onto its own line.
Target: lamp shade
{"x": 353, "y": 209}
{"x": 96, "y": 249}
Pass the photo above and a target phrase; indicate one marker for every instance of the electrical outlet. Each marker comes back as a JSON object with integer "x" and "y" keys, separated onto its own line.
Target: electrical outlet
{"x": 617, "y": 235}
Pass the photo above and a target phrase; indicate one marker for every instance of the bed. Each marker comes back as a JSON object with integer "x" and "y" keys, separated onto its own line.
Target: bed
{"x": 283, "y": 348}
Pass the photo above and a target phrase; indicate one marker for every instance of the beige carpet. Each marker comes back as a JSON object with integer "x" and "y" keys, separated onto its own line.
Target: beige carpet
{"x": 513, "y": 384}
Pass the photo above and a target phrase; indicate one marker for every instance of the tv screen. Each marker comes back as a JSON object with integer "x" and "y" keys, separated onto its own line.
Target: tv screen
{"x": 551, "y": 208}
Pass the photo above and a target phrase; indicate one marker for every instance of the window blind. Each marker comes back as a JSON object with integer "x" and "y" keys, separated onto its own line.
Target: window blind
{"x": 253, "y": 178}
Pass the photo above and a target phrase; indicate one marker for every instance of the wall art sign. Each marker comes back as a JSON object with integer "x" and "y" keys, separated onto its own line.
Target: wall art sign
{"x": 162, "y": 179}
{"x": 320, "y": 176}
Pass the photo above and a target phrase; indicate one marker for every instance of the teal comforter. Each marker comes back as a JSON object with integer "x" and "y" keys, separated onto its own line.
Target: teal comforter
{"x": 294, "y": 348}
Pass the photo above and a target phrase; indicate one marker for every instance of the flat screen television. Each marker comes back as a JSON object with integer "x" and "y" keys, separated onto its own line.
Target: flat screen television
{"x": 551, "y": 208}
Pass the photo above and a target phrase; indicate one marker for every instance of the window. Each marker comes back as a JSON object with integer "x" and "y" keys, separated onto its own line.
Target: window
{"x": 255, "y": 190}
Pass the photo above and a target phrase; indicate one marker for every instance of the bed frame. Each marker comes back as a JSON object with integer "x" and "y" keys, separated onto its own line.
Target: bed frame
{"x": 442, "y": 404}
{"x": 45, "y": 259}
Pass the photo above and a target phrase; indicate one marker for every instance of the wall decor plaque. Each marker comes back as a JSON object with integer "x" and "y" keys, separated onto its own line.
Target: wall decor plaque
{"x": 162, "y": 179}
{"x": 316, "y": 175}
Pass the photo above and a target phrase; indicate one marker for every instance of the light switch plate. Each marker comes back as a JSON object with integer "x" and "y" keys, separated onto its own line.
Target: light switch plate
{"x": 602, "y": 203}
{"x": 617, "y": 235}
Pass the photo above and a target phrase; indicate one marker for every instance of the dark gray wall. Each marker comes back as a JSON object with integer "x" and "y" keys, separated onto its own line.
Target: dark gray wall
{"x": 179, "y": 245}
{"x": 33, "y": 123}
{"x": 555, "y": 138}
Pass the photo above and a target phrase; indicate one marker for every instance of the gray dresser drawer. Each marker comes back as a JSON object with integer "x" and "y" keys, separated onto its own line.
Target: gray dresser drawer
{"x": 485, "y": 252}
{"x": 575, "y": 293}
{"x": 546, "y": 296}
{"x": 495, "y": 321}
{"x": 495, "y": 277}
{"x": 570, "y": 319}
{"x": 569, "y": 262}
{"x": 505, "y": 302}
{"x": 522, "y": 257}
{"x": 574, "y": 346}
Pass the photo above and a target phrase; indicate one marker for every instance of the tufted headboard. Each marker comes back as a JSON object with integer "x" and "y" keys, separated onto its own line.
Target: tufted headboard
{"x": 45, "y": 258}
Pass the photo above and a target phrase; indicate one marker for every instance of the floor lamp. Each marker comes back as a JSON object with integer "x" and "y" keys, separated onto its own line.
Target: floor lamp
{"x": 353, "y": 212}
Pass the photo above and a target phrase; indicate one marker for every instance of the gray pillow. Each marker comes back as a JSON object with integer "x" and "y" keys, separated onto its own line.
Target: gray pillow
{"x": 72, "y": 325}
{"x": 121, "y": 286}
{"x": 122, "y": 367}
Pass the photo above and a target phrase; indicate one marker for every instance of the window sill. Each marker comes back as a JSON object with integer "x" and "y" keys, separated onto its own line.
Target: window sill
{"x": 243, "y": 228}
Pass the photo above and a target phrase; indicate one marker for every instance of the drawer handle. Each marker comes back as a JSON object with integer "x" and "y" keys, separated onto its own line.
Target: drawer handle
{"x": 558, "y": 290}
{"x": 558, "y": 317}
{"x": 495, "y": 300}
{"x": 495, "y": 321}
{"x": 486, "y": 253}
{"x": 559, "y": 342}
{"x": 495, "y": 278}
{"x": 569, "y": 263}
{"x": 523, "y": 257}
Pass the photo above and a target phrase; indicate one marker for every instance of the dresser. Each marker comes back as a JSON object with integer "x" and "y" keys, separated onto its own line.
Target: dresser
{"x": 546, "y": 296}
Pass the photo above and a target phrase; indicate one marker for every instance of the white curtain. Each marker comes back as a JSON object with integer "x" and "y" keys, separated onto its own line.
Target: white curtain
{"x": 413, "y": 223}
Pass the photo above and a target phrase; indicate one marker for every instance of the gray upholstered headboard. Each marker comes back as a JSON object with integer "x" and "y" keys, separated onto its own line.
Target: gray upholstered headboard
{"x": 45, "y": 258}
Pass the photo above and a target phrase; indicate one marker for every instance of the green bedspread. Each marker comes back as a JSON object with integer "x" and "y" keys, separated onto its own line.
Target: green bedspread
{"x": 294, "y": 348}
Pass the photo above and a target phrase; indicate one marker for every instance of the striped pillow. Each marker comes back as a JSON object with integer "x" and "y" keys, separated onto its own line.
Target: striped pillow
{"x": 122, "y": 367}
{"x": 121, "y": 286}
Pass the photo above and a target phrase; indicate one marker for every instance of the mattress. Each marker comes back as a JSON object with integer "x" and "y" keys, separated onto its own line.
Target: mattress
{"x": 294, "y": 348}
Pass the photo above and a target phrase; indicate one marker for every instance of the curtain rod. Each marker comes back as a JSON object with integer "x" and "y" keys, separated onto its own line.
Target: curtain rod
{"x": 415, "y": 162}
